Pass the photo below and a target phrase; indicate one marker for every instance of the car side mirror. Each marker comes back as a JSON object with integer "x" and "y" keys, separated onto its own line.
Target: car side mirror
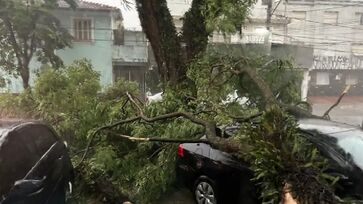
{"x": 23, "y": 189}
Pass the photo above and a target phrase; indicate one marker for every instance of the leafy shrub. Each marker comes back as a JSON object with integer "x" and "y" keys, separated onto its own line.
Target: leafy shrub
{"x": 17, "y": 105}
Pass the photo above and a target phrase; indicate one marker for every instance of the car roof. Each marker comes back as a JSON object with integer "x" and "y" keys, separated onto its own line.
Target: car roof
{"x": 331, "y": 128}
{"x": 8, "y": 124}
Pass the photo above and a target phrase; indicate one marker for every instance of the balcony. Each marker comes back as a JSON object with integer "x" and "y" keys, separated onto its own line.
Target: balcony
{"x": 130, "y": 54}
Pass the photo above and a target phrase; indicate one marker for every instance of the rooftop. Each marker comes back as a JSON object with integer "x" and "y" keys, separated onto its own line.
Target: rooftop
{"x": 87, "y": 5}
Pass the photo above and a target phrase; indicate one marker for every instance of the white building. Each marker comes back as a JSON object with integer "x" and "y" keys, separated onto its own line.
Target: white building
{"x": 332, "y": 32}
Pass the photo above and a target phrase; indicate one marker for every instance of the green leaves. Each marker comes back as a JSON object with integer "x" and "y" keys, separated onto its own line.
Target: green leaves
{"x": 226, "y": 15}
{"x": 214, "y": 77}
{"x": 280, "y": 156}
{"x": 28, "y": 30}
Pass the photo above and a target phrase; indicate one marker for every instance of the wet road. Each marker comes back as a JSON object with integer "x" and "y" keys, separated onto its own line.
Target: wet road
{"x": 178, "y": 196}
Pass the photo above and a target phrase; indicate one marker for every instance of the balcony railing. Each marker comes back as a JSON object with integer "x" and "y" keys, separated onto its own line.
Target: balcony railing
{"x": 130, "y": 53}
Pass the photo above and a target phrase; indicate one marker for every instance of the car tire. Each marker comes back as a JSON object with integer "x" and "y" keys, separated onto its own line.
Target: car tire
{"x": 205, "y": 191}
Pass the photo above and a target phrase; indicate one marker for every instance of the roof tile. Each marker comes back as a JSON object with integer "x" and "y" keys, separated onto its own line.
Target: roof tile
{"x": 86, "y": 5}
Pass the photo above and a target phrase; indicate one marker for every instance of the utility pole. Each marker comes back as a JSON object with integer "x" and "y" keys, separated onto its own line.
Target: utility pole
{"x": 268, "y": 26}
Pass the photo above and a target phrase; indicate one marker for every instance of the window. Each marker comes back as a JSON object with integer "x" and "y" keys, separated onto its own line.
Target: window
{"x": 351, "y": 79}
{"x": 130, "y": 73}
{"x": 119, "y": 36}
{"x": 331, "y": 17}
{"x": 82, "y": 29}
{"x": 322, "y": 78}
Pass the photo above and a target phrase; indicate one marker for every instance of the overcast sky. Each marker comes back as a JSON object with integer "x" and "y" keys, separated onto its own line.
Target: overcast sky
{"x": 131, "y": 18}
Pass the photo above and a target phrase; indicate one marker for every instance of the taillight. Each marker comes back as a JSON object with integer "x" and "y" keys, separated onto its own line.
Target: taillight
{"x": 180, "y": 151}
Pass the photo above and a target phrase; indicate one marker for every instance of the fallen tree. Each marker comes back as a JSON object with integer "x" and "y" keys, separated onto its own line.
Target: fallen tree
{"x": 281, "y": 134}
{"x": 130, "y": 155}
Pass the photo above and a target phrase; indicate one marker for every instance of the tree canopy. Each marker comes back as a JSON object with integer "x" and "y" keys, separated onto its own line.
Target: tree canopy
{"x": 28, "y": 31}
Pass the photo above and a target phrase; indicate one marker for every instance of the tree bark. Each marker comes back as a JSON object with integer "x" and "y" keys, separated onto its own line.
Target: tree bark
{"x": 159, "y": 28}
{"x": 195, "y": 34}
{"x": 23, "y": 58}
{"x": 171, "y": 56}
{"x": 25, "y": 71}
{"x": 25, "y": 77}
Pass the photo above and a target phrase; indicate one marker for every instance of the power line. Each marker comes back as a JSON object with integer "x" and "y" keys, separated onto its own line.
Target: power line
{"x": 322, "y": 9}
{"x": 314, "y": 28}
{"x": 331, "y": 8}
{"x": 331, "y": 24}
{"x": 328, "y": 41}
{"x": 317, "y": 48}
{"x": 323, "y": 38}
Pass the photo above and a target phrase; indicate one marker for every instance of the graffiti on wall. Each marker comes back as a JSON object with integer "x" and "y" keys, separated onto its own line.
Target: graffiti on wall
{"x": 337, "y": 62}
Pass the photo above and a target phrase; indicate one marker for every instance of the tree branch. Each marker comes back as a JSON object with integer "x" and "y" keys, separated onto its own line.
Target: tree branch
{"x": 94, "y": 133}
{"x": 326, "y": 114}
{"x": 246, "y": 119}
{"x": 131, "y": 98}
{"x": 32, "y": 46}
{"x": 210, "y": 127}
{"x": 13, "y": 42}
{"x": 260, "y": 83}
{"x": 157, "y": 139}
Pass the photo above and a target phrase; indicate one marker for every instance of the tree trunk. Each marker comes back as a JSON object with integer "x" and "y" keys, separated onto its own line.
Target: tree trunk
{"x": 25, "y": 77}
{"x": 195, "y": 33}
{"x": 158, "y": 25}
{"x": 171, "y": 57}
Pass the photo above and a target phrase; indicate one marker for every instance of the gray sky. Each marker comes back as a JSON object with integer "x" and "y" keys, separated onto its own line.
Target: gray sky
{"x": 131, "y": 18}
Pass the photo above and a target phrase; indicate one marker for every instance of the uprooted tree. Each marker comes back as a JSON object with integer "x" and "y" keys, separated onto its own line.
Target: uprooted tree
{"x": 267, "y": 147}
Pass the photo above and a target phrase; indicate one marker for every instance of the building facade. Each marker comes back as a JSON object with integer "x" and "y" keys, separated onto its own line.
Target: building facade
{"x": 333, "y": 29}
{"x": 98, "y": 36}
{"x": 324, "y": 36}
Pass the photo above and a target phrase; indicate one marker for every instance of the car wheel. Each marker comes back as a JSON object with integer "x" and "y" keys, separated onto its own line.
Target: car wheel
{"x": 205, "y": 191}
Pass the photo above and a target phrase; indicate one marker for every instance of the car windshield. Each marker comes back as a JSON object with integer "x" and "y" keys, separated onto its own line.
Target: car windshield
{"x": 347, "y": 139}
{"x": 354, "y": 147}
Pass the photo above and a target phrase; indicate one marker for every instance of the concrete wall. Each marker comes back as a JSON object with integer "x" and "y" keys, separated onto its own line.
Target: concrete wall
{"x": 318, "y": 28}
{"x": 99, "y": 51}
{"x": 135, "y": 48}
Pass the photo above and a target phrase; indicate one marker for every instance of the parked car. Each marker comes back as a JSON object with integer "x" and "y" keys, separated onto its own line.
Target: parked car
{"x": 35, "y": 167}
{"x": 215, "y": 176}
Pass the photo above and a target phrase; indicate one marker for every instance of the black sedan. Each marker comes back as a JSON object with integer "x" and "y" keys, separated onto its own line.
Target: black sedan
{"x": 35, "y": 167}
{"x": 217, "y": 177}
